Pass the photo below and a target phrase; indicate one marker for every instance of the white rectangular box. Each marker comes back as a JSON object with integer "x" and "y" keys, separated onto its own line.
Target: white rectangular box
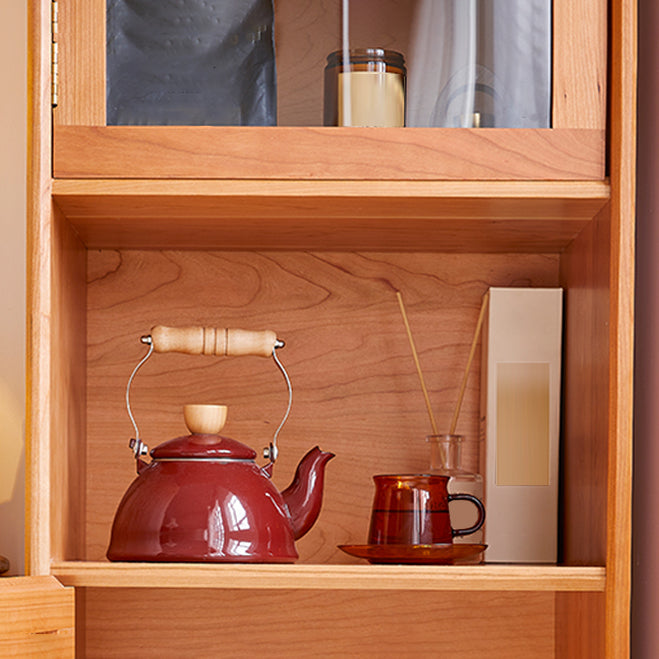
{"x": 520, "y": 413}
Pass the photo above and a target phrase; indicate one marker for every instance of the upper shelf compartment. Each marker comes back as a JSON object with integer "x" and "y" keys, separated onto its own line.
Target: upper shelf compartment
{"x": 299, "y": 148}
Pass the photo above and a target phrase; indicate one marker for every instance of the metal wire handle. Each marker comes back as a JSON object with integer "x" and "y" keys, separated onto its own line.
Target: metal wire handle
{"x": 272, "y": 451}
{"x": 139, "y": 448}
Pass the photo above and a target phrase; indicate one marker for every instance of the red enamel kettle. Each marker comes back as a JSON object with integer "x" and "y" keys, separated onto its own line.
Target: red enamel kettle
{"x": 202, "y": 497}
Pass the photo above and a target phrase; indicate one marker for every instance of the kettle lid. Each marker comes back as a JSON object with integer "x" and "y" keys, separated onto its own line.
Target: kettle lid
{"x": 204, "y": 423}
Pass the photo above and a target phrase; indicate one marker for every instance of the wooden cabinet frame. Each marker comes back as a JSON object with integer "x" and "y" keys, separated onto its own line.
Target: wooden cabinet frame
{"x": 105, "y": 200}
{"x": 573, "y": 149}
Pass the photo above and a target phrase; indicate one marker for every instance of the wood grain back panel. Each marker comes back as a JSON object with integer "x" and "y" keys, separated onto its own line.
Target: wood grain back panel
{"x": 623, "y": 216}
{"x": 288, "y": 624}
{"x": 356, "y": 390}
{"x": 447, "y": 216}
{"x": 580, "y": 625}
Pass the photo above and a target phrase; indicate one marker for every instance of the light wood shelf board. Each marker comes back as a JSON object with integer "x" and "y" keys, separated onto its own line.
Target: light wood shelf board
{"x": 320, "y": 153}
{"x": 331, "y": 577}
{"x": 329, "y": 199}
{"x": 473, "y": 216}
{"x": 339, "y": 188}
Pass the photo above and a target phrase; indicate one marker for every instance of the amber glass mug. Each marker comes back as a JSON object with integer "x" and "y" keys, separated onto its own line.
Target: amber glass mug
{"x": 413, "y": 510}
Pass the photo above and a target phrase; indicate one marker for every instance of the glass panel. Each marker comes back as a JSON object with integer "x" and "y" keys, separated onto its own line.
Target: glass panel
{"x": 190, "y": 62}
{"x": 255, "y": 62}
{"x": 480, "y": 63}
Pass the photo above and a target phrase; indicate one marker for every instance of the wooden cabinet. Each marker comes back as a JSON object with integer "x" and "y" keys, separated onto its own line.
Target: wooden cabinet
{"x": 310, "y": 231}
{"x": 38, "y": 616}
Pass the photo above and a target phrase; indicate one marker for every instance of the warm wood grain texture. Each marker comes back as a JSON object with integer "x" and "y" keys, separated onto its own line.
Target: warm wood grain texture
{"x": 580, "y": 626}
{"x": 38, "y": 302}
{"x": 81, "y": 45}
{"x": 355, "y": 388}
{"x": 331, "y": 577}
{"x": 585, "y": 274}
{"x": 36, "y": 618}
{"x": 207, "y": 152}
{"x": 319, "y": 624}
{"x": 67, "y": 391}
{"x": 486, "y": 216}
{"x": 326, "y": 194}
{"x": 623, "y": 197}
{"x": 579, "y": 64}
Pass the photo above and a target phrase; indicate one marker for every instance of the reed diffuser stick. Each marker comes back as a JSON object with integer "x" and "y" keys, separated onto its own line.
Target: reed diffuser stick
{"x": 479, "y": 324}
{"x": 416, "y": 361}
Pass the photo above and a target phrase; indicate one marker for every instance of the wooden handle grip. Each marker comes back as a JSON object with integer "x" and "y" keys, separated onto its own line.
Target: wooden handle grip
{"x": 213, "y": 341}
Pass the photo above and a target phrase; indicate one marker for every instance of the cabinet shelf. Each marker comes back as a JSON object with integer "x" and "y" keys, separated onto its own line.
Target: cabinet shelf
{"x": 290, "y": 153}
{"x": 331, "y": 577}
{"x": 309, "y": 230}
{"x": 478, "y": 216}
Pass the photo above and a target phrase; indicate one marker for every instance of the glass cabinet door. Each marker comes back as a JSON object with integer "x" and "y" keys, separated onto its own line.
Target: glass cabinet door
{"x": 457, "y": 63}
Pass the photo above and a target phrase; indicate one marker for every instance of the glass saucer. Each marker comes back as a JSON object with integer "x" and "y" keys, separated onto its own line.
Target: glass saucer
{"x": 444, "y": 554}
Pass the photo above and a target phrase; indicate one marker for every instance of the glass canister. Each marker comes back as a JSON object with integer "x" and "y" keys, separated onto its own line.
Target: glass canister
{"x": 369, "y": 90}
{"x": 446, "y": 459}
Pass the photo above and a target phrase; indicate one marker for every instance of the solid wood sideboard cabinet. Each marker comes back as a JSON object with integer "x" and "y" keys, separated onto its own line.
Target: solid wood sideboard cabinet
{"x": 310, "y": 231}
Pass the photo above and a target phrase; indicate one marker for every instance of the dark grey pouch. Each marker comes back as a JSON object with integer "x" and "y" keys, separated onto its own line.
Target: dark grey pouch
{"x": 191, "y": 63}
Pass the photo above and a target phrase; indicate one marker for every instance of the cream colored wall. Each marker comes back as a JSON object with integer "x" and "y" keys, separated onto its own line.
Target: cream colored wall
{"x": 13, "y": 66}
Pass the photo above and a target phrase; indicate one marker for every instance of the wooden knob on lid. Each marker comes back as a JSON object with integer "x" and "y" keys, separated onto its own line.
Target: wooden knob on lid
{"x": 205, "y": 419}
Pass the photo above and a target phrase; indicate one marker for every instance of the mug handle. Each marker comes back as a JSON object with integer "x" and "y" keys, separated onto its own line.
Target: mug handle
{"x": 481, "y": 513}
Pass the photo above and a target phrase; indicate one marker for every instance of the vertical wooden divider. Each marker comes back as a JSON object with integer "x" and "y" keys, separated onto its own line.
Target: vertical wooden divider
{"x": 579, "y": 68}
{"x": 38, "y": 292}
{"x": 81, "y": 54}
{"x": 622, "y": 155}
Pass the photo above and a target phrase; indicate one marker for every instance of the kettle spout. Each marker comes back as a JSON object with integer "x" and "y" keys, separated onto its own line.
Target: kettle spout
{"x": 304, "y": 496}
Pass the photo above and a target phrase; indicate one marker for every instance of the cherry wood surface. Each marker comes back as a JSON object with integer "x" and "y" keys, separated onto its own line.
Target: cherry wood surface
{"x": 315, "y": 576}
{"x": 36, "y": 618}
{"x": 580, "y": 81}
{"x": 623, "y": 199}
{"x": 584, "y": 451}
{"x": 81, "y": 58}
{"x": 318, "y": 624}
{"x": 208, "y": 152}
{"x": 355, "y": 387}
{"x": 356, "y": 391}
{"x": 67, "y": 366}
{"x": 444, "y": 216}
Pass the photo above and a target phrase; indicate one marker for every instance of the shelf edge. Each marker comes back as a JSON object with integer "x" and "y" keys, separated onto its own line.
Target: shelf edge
{"x": 331, "y": 577}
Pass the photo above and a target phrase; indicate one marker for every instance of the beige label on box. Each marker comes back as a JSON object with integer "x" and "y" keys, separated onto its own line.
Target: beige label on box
{"x": 376, "y": 99}
{"x": 522, "y": 450}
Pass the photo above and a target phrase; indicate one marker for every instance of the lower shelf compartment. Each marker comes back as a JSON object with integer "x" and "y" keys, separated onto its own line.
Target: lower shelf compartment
{"x": 486, "y": 577}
